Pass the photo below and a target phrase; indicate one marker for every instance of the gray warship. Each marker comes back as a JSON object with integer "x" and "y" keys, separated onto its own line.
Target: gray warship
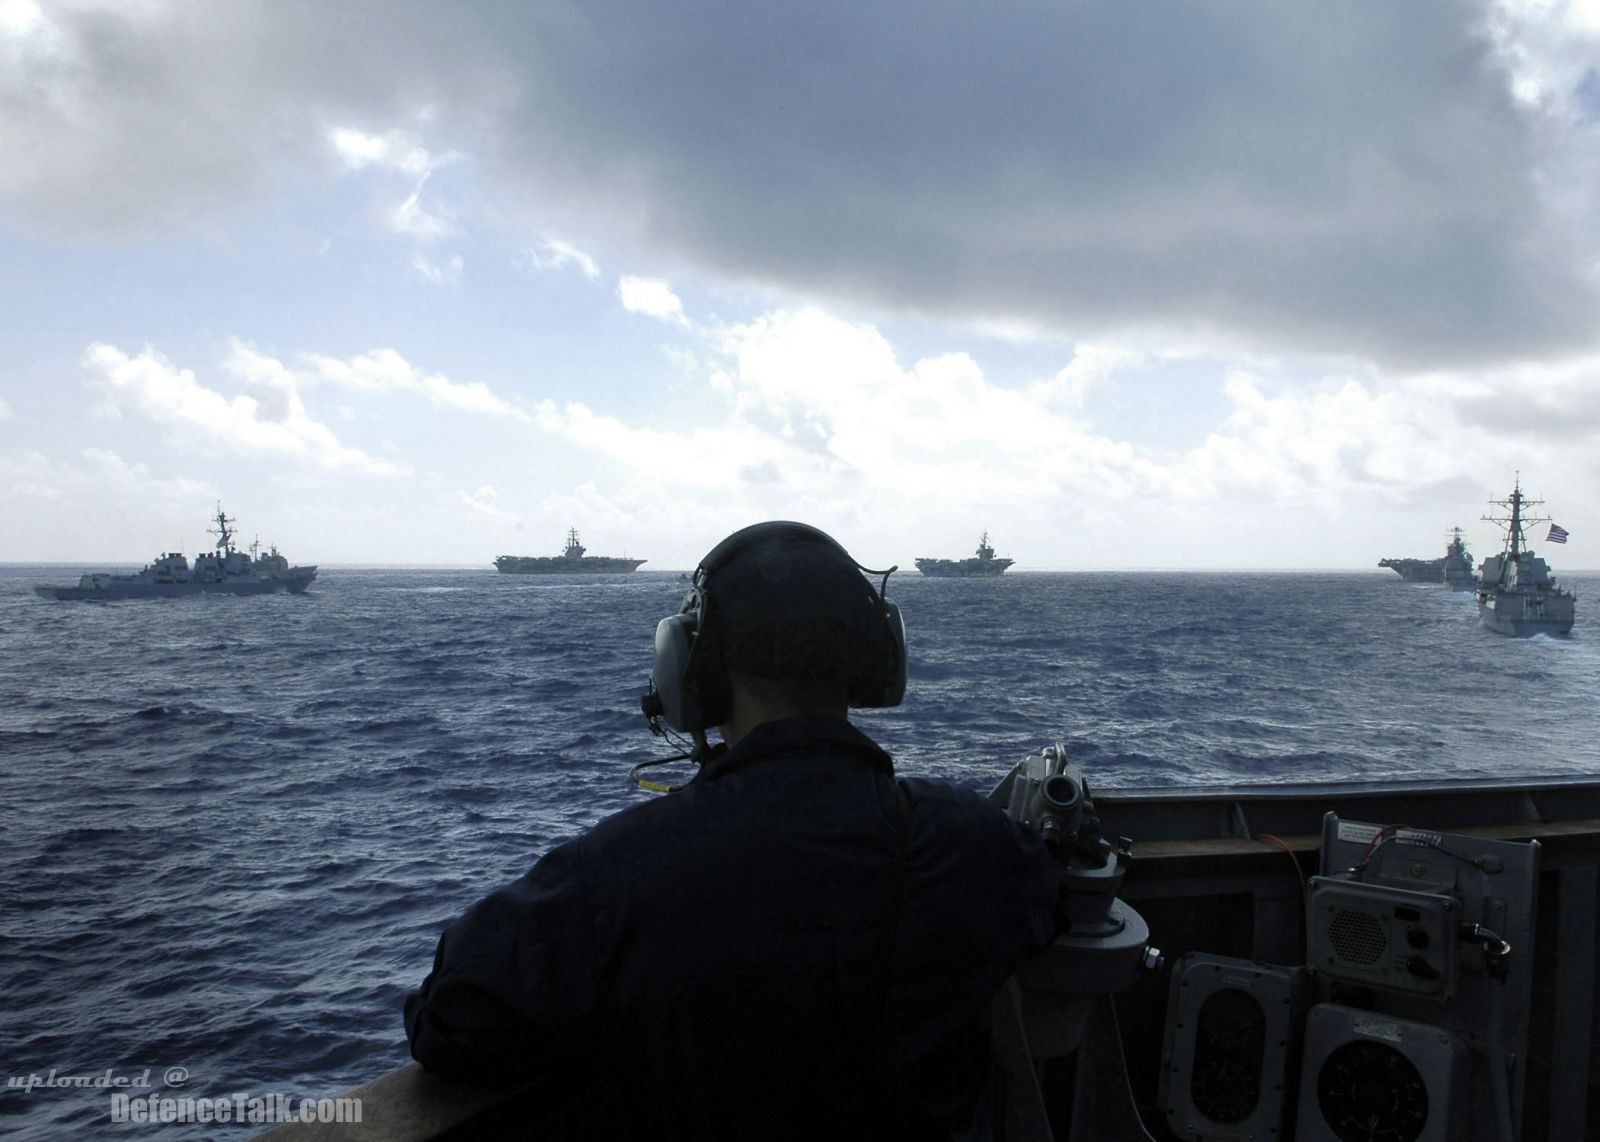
{"x": 982, "y": 565}
{"x": 1458, "y": 572}
{"x": 1416, "y": 570}
{"x": 1517, "y": 595}
{"x": 572, "y": 561}
{"x": 1454, "y": 568}
{"x": 223, "y": 571}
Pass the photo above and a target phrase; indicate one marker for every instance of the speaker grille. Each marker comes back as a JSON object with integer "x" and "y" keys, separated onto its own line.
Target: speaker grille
{"x": 1357, "y": 937}
{"x": 1230, "y": 1045}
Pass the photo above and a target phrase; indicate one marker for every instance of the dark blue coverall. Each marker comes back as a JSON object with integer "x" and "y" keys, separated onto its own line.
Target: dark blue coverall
{"x": 790, "y": 947}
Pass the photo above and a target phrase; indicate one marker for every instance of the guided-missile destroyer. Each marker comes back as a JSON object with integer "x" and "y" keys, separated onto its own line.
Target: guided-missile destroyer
{"x": 1517, "y": 595}
{"x": 223, "y": 571}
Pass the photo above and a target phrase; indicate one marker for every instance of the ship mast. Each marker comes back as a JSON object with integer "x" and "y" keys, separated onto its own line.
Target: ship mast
{"x": 222, "y": 531}
{"x": 1515, "y": 545}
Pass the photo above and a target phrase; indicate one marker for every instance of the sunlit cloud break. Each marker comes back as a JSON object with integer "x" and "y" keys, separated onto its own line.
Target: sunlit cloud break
{"x": 652, "y": 298}
{"x": 554, "y": 254}
{"x": 447, "y": 272}
{"x": 393, "y": 150}
{"x": 386, "y": 371}
{"x": 153, "y": 387}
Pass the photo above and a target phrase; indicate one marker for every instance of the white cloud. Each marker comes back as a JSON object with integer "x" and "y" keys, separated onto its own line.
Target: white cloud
{"x": 484, "y": 505}
{"x": 20, "y": 17}
{"x": 105, "y": 479}
{"x": 5, "y": 410}
{"x": 652, "y": 298}
{"x": 134, "y": 478}
{"x": 414, "y": 220}
{"x": 807, "y": 412}
{"x": 447, "y": 272}
{"x": 1091, "y": 365}
{"x": 392, "y": 150}
{"x": 819, "y": 405}
{"x": 643, "y": 449}
{"x": 554, "y": 254}
{"x": 29, "y": 474}
{"x": 1411, "y": 183}
{"x": 386, "y": 371}
{"x": 150, "y": 386}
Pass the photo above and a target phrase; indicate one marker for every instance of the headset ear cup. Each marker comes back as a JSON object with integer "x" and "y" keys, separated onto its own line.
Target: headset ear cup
{"x": 674, "y": 644}
{"x": 894, "y": 690}
{"x": 882, "y": 681}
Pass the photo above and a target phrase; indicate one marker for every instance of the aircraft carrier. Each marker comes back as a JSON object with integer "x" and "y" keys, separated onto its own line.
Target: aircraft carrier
{"x": 983, "y": 564}
{"x": 572, "y": 561}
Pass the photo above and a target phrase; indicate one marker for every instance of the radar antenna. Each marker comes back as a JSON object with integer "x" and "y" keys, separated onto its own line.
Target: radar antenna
{"x": 1517, "y": 522}
{"x": 223, "y": 531}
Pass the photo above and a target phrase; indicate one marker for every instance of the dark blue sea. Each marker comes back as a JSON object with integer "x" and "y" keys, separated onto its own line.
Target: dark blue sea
{"x": 233, "y": 828}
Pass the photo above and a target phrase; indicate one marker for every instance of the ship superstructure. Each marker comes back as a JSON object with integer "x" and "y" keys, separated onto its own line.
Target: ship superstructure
{"x": 1517, "y": 594}
{"x": 1453, "y": 568}
{"x": 224, "y": 570}
{"x": 1458, "y": 572}
{"x": 572, "y": 561}
{"x": 983, "y": 564}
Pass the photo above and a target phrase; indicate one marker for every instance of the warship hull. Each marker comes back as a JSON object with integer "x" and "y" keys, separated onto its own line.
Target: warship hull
{"x": 560, "y": 565}
{"x": 983, "y": 566}
{"x": 573, "y": 561}
{"x": 1416, "y": 570}
{"x": 1522, "y": 617}
{"x": 224, "y": 571}
{"x": 1517, "y": 594}
{"x": 962, "y": 568}
{"x": 111, "y": 592}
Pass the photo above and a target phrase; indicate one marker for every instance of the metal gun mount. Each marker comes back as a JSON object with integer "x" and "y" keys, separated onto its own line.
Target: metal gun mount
{"x": 1106, "y": 943}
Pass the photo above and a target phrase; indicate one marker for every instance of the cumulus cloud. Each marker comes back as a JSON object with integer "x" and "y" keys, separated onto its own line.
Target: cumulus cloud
{"x": 134, "y": 478}
{"x": 815, "y": 404}
{"x": 27, "y": 474}
{"x": 447, "y": 272}
{"x": 484, "y": 505}
{"x": 148, "y": 385}
{"x": 386, "y": 371}
{"x": 394, "y": 150}
{"x": 652, "y": 298}
{"x": 554, "y": 254}
{"x": 414, "y": 220}
{"x": 1405, "y": 182}
{"x": 803, "y": 410}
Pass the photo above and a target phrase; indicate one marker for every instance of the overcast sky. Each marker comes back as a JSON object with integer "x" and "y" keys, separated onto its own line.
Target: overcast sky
{"x": 1127, "y": 285}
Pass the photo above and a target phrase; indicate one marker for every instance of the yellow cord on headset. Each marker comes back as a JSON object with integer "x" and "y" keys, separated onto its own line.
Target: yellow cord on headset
{"x": 655, "y": 786}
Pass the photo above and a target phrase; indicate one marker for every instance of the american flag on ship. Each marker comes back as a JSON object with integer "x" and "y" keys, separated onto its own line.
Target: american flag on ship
{"x": 1558, "y": 534}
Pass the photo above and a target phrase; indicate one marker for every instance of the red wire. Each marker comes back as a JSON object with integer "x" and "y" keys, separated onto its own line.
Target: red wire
{"x": 1298, "y": 871}
{"x": 1376, "y": 837}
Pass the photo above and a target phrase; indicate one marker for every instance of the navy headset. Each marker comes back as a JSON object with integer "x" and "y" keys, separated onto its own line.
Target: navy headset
{"x": 688, "y": 682}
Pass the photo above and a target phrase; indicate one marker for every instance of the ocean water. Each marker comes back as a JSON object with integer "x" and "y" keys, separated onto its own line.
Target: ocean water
{"x": 233, "y": 828}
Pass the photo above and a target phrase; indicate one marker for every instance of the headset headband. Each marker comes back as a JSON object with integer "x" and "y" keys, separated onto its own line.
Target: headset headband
{"x": 756, "y": 533}
{"x": 689, "y": 691}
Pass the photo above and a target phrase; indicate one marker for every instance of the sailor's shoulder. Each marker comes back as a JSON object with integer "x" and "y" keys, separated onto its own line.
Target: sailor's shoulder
{"x": 937, "y": 802}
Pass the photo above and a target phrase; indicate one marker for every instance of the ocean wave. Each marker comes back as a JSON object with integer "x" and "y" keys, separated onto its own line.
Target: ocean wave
{"x": 235, "y": 853}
